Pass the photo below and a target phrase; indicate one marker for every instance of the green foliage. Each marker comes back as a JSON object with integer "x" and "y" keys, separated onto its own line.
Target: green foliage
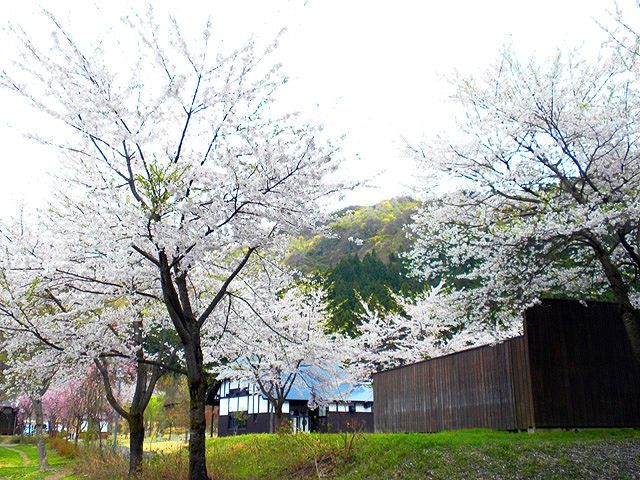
{"x": 380, "y": 227}
{"x": 175, "y": 393}
{"x": 368, "y": 279}
{"x": 156, "y": 186}
{"x": 352, "y": 271}
{"x": 154, "y": 415}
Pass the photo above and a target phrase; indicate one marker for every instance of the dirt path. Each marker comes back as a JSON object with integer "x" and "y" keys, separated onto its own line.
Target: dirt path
{"x": 57, "y": 475}
{"x": 26, "y": 462}
{"x": 25, "y": 459}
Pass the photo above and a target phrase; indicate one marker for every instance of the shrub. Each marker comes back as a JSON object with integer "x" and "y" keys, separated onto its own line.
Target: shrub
{"x": 107, "y": 464}
{"x": 5, "y": 439}
{"x": 101, "y": 463}
{"x": 63, "y": 446}
{"x": 27, "y": 439}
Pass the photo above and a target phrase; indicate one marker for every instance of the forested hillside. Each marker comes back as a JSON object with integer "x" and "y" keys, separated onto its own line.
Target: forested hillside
{"x": 357, "y": 230}
{"x": 361, "y": 258}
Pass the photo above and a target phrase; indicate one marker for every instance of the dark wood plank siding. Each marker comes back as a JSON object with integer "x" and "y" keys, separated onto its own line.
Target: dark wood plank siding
{"x": 582, "y": 369}
{"x": 522, "y": 395}
{"x": 8, "y": 420}
{"x": 256, "y": 423}
{"x": 337, "y": 422}
{"x": 572, "y": 368}
{"x": 474, "y": 388}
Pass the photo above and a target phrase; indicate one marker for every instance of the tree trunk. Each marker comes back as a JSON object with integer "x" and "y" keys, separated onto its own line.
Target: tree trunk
{"x": 631, "y": 321}
{"x": 116, "y": 425}
{"x": 136, "y": 443}
{"x": 211, "y": 394}
{"x": 197, "y": 397}
{"x": 620, "y": 290}
{"x": 42, "y": 452}
{"x": 78, "y": 424}
{"x": 279, "y": 419}
{"x": 53, "y": 431}
{"x": 141, "y": 397}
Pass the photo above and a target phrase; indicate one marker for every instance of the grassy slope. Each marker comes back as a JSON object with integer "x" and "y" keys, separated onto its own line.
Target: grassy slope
{"x": 447, "y": 455}
{"x": 12, "y": 465}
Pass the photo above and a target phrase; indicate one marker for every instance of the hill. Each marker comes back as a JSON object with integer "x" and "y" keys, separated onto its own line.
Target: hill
{"x": 360, "y": 259}
{"x": 357, "y": 230}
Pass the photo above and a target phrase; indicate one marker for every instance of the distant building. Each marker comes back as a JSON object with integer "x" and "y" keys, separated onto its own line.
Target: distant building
{"x": 8, "y": 420}
{"x": 243, "y": 409}
{"x": 573, "y": 367}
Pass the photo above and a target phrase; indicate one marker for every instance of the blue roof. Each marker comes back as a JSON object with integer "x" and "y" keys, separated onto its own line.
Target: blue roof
{"x": 302, "y": 389}
{"x": 309, "y": 377}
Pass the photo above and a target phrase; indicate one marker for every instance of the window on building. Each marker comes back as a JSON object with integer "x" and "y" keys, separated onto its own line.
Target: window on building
{"x": 352, "y": 408}
{"x": 322, "y": 411}
{"x": 239, "y": 392}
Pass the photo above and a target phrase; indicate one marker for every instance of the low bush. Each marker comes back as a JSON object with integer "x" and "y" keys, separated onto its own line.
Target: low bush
{"x": 101, "y": 463}
{"x": 10, "y": 439}
{"x": 108, "y": 464}
{"x": 63, "y": 446}
{"x": 27, "y": 439}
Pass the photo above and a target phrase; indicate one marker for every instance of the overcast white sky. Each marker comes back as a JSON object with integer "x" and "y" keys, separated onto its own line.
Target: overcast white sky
{"x": 371, "y": 70}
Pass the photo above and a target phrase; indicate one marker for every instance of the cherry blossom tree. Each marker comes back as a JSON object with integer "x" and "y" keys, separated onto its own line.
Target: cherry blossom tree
{"x": 181, "y": 158}
{"x": 54, "y": 405}
{"x": 544, "y": 192}
{"x": 59, "y": 406}
{"x": 25, "y": 411}
{"x": 29, "y": 309}
{"x": 139, "y": 365}
{"x": 431, "y": 324}
{"x": 132, "y": 407}
{"x": 31, "y": 373}
{"x": 276, "y": 338}
{"x": 83, "y": 323}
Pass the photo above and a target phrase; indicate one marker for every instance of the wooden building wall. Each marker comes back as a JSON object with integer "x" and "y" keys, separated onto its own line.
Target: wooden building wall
{"x": 8, "y": 420}
{"x": 582, "y": 370}
{"x": 473, "y": 388}
{"x": 338, "y": 422}
{"x": 255, "y": 423}
{"x": 572, "y": 368}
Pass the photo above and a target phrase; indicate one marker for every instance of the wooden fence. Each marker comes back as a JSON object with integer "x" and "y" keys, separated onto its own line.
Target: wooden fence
{"x": 581, "y": 366}
{"x": 572, "y": 368}
{"x": 471, "y": 388}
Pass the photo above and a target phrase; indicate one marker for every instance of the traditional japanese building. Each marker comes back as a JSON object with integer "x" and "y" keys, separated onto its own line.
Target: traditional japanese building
{"x": 8, "y": 420}
{"x": 242, "y": 408}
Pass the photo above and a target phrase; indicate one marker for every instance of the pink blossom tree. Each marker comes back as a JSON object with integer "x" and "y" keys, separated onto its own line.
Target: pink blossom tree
{"x": 53, "y": 316}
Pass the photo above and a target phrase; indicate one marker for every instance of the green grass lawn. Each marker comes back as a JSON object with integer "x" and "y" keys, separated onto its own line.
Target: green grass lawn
{"x": 13, "y": 465}
{"x": 446, "y": 455}
{"x": 467, "y": 454}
